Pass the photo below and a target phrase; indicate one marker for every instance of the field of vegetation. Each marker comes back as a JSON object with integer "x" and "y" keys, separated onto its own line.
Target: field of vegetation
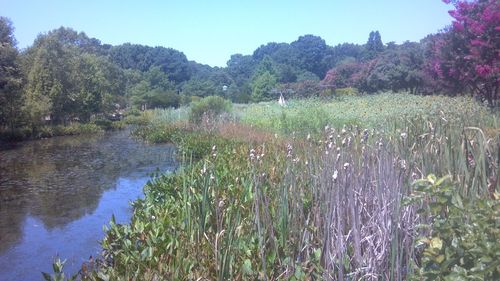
{"x": 379, "y": 187}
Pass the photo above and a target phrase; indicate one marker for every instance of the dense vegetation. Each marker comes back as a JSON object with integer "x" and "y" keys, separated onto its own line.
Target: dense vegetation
{"x": 268, "y": 193}
{"x": 65, "y": 76}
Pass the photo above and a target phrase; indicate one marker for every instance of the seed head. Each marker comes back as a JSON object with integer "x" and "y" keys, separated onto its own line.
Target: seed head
{"x": 334, "y": 176}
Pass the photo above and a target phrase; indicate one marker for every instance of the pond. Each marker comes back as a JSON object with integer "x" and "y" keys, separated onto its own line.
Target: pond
{"x": 57, "y": 194}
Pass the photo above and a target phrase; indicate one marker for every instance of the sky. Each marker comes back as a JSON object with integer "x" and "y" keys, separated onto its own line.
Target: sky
{"x": 209, "y": 32}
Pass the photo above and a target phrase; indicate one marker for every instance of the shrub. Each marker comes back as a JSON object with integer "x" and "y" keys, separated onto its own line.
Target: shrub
{"x": 463, "y": 241}
{"x": 211, "y": 106}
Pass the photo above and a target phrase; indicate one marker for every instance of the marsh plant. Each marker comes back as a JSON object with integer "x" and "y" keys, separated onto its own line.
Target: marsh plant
{"x": 340, "y": 203}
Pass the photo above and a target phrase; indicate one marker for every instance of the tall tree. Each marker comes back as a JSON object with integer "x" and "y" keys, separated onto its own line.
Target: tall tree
{"x": 10, "y": 76}
{"x": 374, "y": 46}
{"x": 310, "y": 52}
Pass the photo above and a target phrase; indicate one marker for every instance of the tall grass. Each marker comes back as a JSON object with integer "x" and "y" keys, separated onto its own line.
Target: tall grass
{"x": 308, "y": 116}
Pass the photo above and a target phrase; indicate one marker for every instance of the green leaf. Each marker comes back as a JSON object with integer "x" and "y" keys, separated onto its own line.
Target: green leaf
{"x": 246, "y": 268}
{"x": 436, "y": 243}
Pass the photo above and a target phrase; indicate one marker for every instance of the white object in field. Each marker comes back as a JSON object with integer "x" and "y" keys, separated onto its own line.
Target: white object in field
{"x": 281, "y": 100}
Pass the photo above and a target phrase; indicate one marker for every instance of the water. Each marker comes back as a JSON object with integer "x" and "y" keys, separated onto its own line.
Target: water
{"x": 56, "y": 195}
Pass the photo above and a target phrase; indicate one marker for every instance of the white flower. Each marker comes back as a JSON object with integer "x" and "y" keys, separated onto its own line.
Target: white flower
{"x": 346, "y": 165}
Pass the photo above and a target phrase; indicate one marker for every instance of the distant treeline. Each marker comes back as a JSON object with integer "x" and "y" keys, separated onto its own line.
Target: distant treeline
{"x": 65, "y": 75}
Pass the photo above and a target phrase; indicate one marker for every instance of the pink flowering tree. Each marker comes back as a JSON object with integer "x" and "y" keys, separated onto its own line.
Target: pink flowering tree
{"x": 467, "y": 55}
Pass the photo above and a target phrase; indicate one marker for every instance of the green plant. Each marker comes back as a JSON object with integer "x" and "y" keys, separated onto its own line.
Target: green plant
{"x": 460, "y": 241}
{"x": 58, "y": 275}
{"x": 211, "y": 107}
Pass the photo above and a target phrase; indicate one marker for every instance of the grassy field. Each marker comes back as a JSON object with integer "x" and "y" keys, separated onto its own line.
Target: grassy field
{"x": 324, "y": 190}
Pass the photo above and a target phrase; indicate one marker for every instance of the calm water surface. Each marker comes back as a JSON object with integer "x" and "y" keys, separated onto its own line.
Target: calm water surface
{"x": 56, "y": 195}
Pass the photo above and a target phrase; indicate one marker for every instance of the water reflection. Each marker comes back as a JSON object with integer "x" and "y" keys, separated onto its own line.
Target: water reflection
{"x": 55, "y": 195}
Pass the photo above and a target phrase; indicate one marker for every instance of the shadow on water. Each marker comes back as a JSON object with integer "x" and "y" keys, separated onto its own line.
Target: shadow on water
{"x": 56, "y": 194}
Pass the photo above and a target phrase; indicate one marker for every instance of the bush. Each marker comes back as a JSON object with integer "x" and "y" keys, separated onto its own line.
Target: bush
{"x": 211, "y": 106}
{"x": 464, "y": 232}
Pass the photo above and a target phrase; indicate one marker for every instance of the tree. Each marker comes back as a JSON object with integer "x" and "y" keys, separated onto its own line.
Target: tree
{"x": 310, "y": 51}
{"x": 10, "y": 76}
{"x": 154, "y": 90}
{"x": 262, "y": 86}
{"x": 200, "y": 88}
{"x": 132, "y": 56}
{"x": 342, "y": 76}
{"x": 466, "y": 54}
{"x": 374, "y": 45}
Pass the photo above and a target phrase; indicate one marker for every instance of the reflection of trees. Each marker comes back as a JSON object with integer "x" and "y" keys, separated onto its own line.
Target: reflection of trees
{"x": 12, "y": 215}
{"x": 60, "y": 180}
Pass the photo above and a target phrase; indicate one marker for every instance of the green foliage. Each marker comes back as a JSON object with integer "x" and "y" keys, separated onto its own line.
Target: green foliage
{"x": 372, "y": 111}
{"x": 211, "y": 107}
{"x": 58, "y": 275}
{"x": 200, "y": 88}
{"x": 153, "y": 91}
{"x": 10, "y": 77}
{"x": 462, "y": 241}
{"x": 262, "y": 86}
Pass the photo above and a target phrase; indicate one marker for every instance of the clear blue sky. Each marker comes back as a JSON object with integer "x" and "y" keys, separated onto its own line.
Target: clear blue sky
{"x": 210, "y": 31}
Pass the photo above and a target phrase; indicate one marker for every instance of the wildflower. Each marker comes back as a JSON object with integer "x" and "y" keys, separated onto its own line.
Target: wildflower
{"x": 153, "y": 217}
{"x": 346, "y": 165}
{"x": 404, "y": 135}
{"x": 212, "y": 177}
